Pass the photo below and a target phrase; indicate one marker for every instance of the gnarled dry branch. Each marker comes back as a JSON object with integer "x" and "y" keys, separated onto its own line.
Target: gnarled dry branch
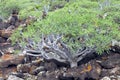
{"x": 52, "y": 48}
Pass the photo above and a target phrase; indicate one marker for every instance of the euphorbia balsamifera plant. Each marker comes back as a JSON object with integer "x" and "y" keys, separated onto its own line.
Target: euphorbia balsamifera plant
{"x": 52, "y": 48}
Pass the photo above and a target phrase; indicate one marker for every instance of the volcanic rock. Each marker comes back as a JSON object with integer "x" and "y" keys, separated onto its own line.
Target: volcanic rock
{"x": 9, "y": 59}
{"x": 13, "y": 77}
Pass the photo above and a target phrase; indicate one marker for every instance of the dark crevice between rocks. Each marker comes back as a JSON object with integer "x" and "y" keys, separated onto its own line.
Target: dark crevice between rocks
{"x": 115, "y": 49}
{"x": 11, "y": 65}
{"x": 89, "y": 79}
{"x": 90, "y": 57}
{"x": 66, "y": 78}
{"x": 74, "y": 78}
{"x": 58, "y": 64}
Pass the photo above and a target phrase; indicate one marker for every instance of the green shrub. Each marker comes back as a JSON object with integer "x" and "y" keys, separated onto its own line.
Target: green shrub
{"x": 27, "y": 7}
{"x": 82, "y": 23}
{"x": 23, "y": 6}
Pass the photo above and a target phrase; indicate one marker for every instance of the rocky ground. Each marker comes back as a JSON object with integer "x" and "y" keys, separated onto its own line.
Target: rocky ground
{"x": 22, "y": 67}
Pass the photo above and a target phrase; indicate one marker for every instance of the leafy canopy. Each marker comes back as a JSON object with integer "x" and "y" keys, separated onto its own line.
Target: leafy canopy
{"x": 83, "y": 23}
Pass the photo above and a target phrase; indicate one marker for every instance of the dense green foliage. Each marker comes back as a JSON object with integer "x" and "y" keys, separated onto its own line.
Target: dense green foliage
{"x": 27, "y": 7}
{"x": 83, "y": 23}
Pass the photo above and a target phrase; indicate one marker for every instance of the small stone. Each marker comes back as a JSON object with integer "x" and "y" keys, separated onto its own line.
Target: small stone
{"x": 114, "y": 70}
{"x": 29, "y": 77}
{"x": 37, "y": 70}
{"x": 13, "y": 77}
{"x": 18, "y": 74}
{"x": 50, "y": 66}
{"x": 64, "y": 69}
{"x": 1, "y": 78}
{"x": 10, "y": 50}
{"x": 32, "y": 78}
{"x": 42, "y": 73}
{"x": 2, "y": 40}
{"x": 118, "y": 77}
{"x": 5, "y": 33}
{"x": 25, "y": 68}
{"x": 106, "y": 78}
{"x": 107, "y": 65}
{"x": 104, "y": 72}
{"x": 111, "y": 62}
{"x": 113, "y": 77}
